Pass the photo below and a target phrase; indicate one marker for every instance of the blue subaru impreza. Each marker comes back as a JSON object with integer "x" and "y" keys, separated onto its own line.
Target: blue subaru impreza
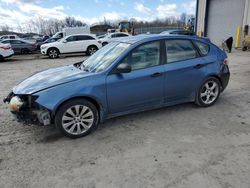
{"x": 128, "y": 75}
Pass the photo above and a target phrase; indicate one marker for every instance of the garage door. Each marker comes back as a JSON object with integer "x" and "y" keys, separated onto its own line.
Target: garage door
{"x": 223, "y": 18}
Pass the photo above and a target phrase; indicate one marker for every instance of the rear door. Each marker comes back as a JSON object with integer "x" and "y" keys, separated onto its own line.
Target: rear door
{"x": 84, "y": 41}
{"x": 16, "y": 46}
{"x": 184, "y": 71}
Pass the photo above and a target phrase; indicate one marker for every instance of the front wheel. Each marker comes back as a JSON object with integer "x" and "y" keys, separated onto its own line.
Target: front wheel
{"x": 208, "y": 93}
{"x": 91, "y": 50}
{"x": 77, "y": 118}
{"x": 53, "y": 53}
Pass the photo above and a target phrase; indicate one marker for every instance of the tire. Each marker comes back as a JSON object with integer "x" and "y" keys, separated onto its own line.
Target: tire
{"x": 1, "y": 58}
{"x": 25, "y": 51}
{"x": 104, "y": 44}
{"x": 91, "y": 50}
{"x": 53, "y": 53}
{"x": 208, "y": 93}
{"x": 77, "y": 118}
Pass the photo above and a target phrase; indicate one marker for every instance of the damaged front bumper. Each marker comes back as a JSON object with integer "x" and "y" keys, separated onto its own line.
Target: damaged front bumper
{"x": 26, "y": 110}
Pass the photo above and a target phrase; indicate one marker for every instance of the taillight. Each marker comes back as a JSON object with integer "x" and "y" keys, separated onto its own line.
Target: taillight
{"x": 225, "y": 62}
{"x": 5, "y": 47}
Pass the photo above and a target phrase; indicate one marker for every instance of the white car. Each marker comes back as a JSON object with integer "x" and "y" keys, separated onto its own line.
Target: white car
{"x": 5, "y": 51}
{"x": 3, "y": 37}
{"x": 72, "y": 44}
{"x": 108, "y": 37}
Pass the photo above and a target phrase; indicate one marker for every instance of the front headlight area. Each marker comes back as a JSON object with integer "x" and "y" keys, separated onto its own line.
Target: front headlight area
{"x": 28, "y": 111}
{"x": 44, "y": 47}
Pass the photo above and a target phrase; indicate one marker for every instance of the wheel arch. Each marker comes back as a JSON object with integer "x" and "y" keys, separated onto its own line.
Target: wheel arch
{"x": 52, "y": 48}
{"x": 92, "y": 45}
{"x": 97, "y": 104}
{"x": 217, "y": 77}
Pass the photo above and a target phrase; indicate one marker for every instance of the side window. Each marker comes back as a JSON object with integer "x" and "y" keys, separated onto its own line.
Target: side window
{"x": 114, "y": 36}
{"x": 6, "y": 42}
{"x": 17, "y": 42}
{"x": 71, "y": 39}
{"x": 89, "y": 38}
{"x": 147, "y": 55}
{"x": 180, "y": 50}
{"x": 84, "y": 37}
{"x": 204, "y": 48}
{"x": 12, "y": 37}
{"x": 121, "y": 35}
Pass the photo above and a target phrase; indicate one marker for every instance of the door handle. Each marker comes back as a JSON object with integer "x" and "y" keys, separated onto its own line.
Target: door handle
{"x": 157, "y": 74}
{"x": 198, "y": 66}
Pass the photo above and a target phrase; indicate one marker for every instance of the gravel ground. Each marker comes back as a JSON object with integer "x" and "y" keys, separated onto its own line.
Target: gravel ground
{"x": 180, "y": 146}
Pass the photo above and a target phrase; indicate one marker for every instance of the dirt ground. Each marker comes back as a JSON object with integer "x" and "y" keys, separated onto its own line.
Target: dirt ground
{"x": 181, "y": 146}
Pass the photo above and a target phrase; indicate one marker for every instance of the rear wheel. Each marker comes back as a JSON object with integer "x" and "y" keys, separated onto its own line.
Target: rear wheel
{"x": 53, "y": 53}
{"x": 1, "y": 58}
{"x": 77, "y": 118}
{"x": 91, "y": 50}
{"x": 208, "y": 93}
{"x": 104, "y": 44}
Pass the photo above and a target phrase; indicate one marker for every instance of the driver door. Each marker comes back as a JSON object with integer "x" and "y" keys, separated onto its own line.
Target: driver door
{"x": 142, "y": 87}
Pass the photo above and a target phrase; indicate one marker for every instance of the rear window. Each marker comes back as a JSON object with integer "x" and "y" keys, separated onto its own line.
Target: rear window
{"x": 204, "y": 48}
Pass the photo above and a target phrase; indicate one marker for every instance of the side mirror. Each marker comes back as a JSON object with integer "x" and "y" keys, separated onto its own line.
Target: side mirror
{"x": 65, "y": 41}
{"x": 123, "y": 68}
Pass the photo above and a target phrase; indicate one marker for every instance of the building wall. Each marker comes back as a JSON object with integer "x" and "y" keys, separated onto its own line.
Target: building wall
{"x": 221, "y": 17}
{"x": 246, "y": 20}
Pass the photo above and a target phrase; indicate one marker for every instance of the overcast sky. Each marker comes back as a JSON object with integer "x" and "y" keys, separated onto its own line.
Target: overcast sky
{"x": 14, "y": 12}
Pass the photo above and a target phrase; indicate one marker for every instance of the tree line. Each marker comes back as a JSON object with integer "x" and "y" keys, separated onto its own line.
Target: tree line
{"x": 51, "y": 26}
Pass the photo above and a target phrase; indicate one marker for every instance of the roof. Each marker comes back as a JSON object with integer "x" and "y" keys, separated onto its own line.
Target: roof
{"x": 150, "y": 37}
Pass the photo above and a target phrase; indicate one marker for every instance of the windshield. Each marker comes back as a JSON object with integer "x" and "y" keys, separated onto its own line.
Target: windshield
{"x": 104, "y": 57}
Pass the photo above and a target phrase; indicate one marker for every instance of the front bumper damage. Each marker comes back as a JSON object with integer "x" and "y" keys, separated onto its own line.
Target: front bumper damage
{"x": 26, "y": 110}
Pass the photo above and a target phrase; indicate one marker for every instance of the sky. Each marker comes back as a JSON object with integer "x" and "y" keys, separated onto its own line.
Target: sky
{"x": 18, "y": 12}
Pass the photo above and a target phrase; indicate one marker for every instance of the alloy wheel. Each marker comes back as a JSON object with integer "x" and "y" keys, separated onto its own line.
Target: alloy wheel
{"x": 53, "y": 53}
{"x": 92, "y": 50}
{"x": 77, "y": 119}
{"x": 210, "y": 92}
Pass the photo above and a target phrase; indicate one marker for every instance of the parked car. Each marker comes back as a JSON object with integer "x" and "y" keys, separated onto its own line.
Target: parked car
{"x": 178, "y": 32}
{"x": 126, "y": 76}
{"x": 72, "y": 44}
{"x": 108, "y": 37}
{"x": 5, "y": 51}
{"x": 4, "y": 37}
{"x": 50, "y": 40}
{"x": 183, "y": 32}
{"x": 21, "y": 46}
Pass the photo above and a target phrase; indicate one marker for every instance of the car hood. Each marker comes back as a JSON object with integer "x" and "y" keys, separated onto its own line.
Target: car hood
{"x": 49, "y": 78}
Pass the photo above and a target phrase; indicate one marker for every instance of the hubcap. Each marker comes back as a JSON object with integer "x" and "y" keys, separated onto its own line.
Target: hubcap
{"x": 77, "y": 119}
{"x": 92, "y": 50}
{"x": 53, "y": 53}
{"x": 209, "y": 92}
